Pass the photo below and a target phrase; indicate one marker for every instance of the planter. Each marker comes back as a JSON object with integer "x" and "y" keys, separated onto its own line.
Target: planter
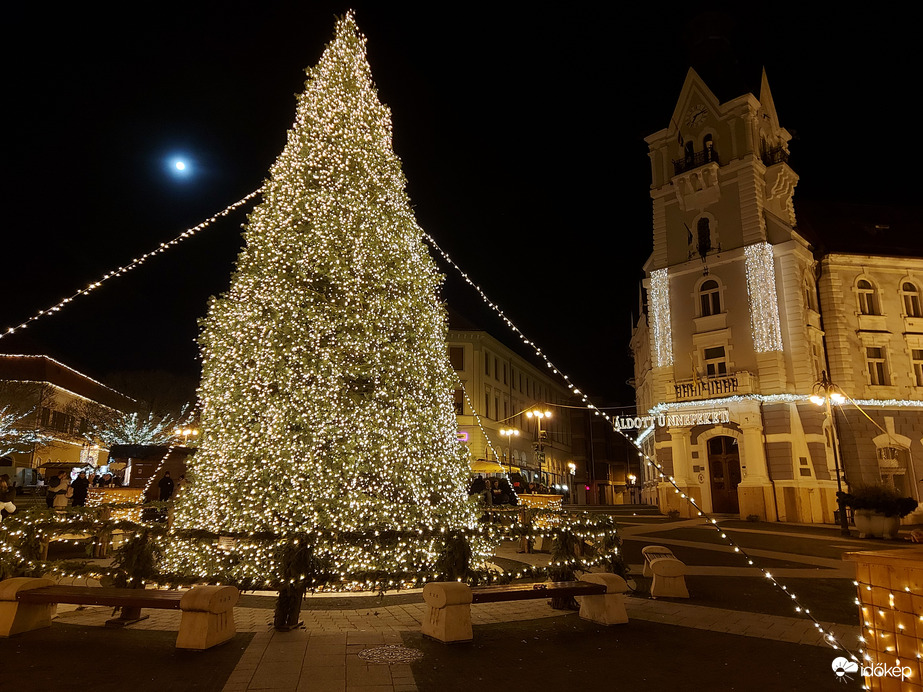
{"x": 872, "y": 524}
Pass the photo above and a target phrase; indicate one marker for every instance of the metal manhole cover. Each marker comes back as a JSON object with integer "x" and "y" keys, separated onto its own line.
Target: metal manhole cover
{"x": 391, "y": 654}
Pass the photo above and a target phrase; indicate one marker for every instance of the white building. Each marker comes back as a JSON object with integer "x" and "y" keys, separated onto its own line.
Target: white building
{"x": 734, "y": 329}
{"x": 501, "y": 388}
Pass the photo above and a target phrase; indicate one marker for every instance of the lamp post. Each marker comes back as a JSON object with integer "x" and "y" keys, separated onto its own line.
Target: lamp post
{"x": 540, "y": 444}
{"x": 824, "y": 393}
{"x": 509, "y": 433}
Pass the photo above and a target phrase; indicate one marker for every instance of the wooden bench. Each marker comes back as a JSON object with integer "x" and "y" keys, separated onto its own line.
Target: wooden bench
{"x": 448, "y": 616}
{"x": 669, "y": 574}
{"x": 207, "y": 611}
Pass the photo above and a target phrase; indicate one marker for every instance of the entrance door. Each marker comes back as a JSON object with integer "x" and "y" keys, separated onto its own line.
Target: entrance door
{"x": 724, "y": 464}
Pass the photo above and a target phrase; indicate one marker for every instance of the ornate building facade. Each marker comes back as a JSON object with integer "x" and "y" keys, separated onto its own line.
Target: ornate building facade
{"x": 744, "y": 315}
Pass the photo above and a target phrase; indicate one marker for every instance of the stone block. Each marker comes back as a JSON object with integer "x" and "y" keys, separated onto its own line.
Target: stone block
{"x": 608, "y": 608}
{"x": 16, "y": 617}
{"x": 448, "y": 616}
{"x": 208, "y": 617}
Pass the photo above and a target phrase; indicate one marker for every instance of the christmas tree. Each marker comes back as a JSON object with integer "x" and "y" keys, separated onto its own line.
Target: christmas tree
{"x": 326, "y": 391}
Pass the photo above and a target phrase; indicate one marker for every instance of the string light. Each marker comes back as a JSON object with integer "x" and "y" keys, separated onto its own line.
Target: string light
{"x": 761, "y": 294}
{"x": 326, "y": 391}
{"x": 163, "y": 247}
{"x": 661, "y": 325}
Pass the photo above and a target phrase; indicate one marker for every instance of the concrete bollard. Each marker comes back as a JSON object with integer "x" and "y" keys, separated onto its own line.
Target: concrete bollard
{"x": 608, "y": 608}
{"x": 448, "y": 613}
{"x": 208, "y": 617}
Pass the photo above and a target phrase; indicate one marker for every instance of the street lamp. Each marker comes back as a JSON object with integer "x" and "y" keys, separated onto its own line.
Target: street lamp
{"x": 186, "y": 433}
{"x": 540, "y": 444}
{"x": 509, "y": 433}
{"x": 825, "y": 393}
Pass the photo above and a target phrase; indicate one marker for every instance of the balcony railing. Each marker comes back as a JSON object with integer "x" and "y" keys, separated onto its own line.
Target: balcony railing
{"x": 736, "y": 383}
{"x": 690, "y": 161}
{"x": 774, "y": 155}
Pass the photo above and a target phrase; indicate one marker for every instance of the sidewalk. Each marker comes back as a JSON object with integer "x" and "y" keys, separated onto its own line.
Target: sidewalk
{"x": 735, "y": 632}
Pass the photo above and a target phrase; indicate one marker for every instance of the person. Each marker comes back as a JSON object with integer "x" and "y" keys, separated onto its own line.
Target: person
{"x": 56, "y": 496}
{"x": 166, "y": 487}
{"x": 477, "y": 486}
{"x": 81, "y": 486}
{"x": 7, "y": 495}
{"x": 500, "y": 497}
{"x": 181, "y": 484}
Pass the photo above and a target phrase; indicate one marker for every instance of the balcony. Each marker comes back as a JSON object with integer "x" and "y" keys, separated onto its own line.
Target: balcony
{"x": 740, "y": 382}
{"x": 774, "y": 155}
{"x": 694, "y": 160}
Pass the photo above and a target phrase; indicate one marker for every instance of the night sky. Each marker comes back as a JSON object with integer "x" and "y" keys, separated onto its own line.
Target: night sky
{"x": 521, "y": 135}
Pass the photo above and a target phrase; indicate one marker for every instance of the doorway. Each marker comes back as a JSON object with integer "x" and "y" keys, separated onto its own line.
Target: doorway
{"x": 724, "y": 468}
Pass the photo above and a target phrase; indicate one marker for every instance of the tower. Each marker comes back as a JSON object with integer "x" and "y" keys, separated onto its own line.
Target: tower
{"x": 732, "y": 330}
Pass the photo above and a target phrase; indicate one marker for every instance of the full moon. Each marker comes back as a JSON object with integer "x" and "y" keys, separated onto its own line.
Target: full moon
{"x": 180, "y": 166}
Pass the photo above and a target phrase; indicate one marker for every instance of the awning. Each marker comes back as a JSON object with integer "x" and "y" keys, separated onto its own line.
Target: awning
{"x": 485, "y": 466}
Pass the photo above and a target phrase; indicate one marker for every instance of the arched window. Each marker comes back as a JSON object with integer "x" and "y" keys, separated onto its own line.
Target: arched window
{"x": 710, "y": 298}
{"x": 708, "y": 146}
{"x": 910, "y": 295}
{"x": 690, "y": 150}
{"x": 868, "y": 298}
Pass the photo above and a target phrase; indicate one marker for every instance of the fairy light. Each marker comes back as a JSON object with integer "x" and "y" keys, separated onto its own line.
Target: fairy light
{"x": 661, "y": 326}
{"x": 163, "y": 247}
{"x": 326, "y": 391}
{"x": 761, "y": 293}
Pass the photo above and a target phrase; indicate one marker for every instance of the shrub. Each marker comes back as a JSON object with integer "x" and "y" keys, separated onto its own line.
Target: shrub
{"x": 878, "y": 498}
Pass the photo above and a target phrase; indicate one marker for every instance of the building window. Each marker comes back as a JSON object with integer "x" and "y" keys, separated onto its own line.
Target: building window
{"x": 496, "y": 368}
{"x": 486, "y": 363}
{"x": 816, "y": 360}
{"x": 878, "y": 369}
{"x": 892, "y": 467}
{"x": 504, "y": 374}
{"x": 459, "y": 402}
{"x": 868, "y": 298}
{"x": 810, "y": 295}
{"x": 704, "y": 236}
{"x": 487, "y": 404}
{"x": 457, "y": 357}
{"x": 916, "y": 357}
{"x": 710, "y": 298}
{"x": 708, "y": 146}
{"x": 910, "y": 296}
{"x": 715, "y": 362}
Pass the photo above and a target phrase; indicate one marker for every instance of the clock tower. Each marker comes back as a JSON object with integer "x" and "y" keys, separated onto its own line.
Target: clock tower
{"x": 730, "y": 330}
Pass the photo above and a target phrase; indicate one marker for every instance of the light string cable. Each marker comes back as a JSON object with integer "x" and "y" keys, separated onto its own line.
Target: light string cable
{"x": 124, "y": 269}
{"x": 173, "y": 444}
{"x": 490, "y": 445}
{"x": 800, "y": 609}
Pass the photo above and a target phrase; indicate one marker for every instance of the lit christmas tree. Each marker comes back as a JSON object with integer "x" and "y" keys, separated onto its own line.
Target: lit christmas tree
{"x": 326, "y": 391}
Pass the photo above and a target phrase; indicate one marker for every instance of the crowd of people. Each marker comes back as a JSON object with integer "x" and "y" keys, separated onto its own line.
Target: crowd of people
{"x": 61, "y": 490}
{"x": 499, "y": 491}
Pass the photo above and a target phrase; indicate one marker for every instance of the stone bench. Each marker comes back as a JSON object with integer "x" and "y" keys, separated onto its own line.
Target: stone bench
{"x": 448, "y": 616}
{"x": 669, "y": 574}
{"x": 207, "y": 611}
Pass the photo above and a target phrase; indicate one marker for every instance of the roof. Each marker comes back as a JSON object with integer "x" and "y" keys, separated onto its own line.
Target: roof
{"x": 865, "y": 229}
{"x": 29, "y": 368}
